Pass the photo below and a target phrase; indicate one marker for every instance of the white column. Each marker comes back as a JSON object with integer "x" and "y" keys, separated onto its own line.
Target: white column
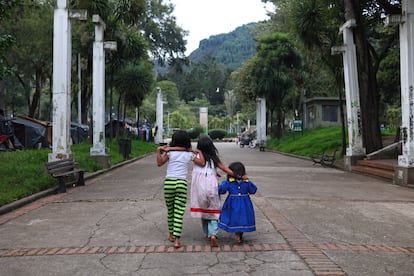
{"x": 204, "y": 119}
{"x": 160, "y": 112}
{"x": 353, "y": 108}
{"x": 407, "y": 85}
{"x": 98, "y": 89}
{"x": 79, "y": 90}
{"x": 261, "y": 121}
{"x": 62, "y": 48}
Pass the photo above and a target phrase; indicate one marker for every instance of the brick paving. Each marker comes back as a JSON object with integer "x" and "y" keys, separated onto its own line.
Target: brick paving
{"x": 313, "y": 254}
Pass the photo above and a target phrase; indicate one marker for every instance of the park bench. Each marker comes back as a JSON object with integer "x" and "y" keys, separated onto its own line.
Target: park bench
{"x": 66, "y": 171}
{"x": 325, "y": 159}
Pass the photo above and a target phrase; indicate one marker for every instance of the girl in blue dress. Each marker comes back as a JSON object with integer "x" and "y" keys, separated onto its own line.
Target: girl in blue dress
{"x": 237, "y": 213}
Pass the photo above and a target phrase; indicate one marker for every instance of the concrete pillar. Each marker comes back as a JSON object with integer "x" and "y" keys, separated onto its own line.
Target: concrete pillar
{"x": 261, "y": 123}
{"x": 204, "y": 119}
{"x": 98, "y": 89}
{"x": 62, "y": 50}
{"x": 355, "y": 148}
{"x": 404, "y": 173}
{"x": 99, "y": 150}
{"x": 160, "y": 111}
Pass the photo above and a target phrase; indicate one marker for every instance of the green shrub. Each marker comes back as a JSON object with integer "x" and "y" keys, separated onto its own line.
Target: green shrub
{"x": 195, "y": 132}
{"x": 217, "y": 133}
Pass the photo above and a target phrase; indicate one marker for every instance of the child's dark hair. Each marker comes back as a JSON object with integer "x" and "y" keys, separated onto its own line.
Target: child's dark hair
{"x": 180, "y": 138}
{"x": 238, "y": 169}
{"x": 210, "y": 152}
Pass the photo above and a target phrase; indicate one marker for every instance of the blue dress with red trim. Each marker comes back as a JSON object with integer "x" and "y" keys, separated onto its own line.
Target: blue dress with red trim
{"x": 237, "y": 212}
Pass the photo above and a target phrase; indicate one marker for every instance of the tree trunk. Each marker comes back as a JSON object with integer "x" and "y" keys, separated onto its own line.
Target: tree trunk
{"x": 279, "y": 122}
{"x": 369, "y": 96}
{"x": 343, "y": 126}
{"x": 36, "y": 96}
{"x": 2, "y": 96}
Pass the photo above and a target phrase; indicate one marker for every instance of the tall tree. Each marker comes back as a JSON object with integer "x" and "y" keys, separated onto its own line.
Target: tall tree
{"x": 30, "y": 57}
{"x": 316, "y": 27}
{"x": 277, "y": 62}
{"x": 6, "y": 38}
{"x": 270, "y": 74}
{"x": 372, "y": 45}
{"x": 205, "y": 78}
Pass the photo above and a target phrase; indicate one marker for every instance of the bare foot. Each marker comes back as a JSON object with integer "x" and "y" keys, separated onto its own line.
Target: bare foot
{"x": 214, "y": 242}
{"x": 171, "y": 238}
{"x": 177, "y": 243}
{"x": 238, "y": 237}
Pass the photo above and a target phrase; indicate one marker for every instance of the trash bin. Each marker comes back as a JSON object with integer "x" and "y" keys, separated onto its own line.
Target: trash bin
{"x": 125, "y": 148}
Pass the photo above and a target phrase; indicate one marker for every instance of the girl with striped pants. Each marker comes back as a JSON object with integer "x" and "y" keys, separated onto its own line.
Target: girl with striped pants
{"x": 178, "y": 156}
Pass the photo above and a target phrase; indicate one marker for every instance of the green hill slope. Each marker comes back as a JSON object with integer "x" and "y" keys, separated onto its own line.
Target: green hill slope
{"x": 230, "y": 49}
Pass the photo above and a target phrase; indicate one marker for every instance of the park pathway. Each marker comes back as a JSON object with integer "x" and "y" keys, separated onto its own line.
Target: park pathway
{"x": 310, "y": 221}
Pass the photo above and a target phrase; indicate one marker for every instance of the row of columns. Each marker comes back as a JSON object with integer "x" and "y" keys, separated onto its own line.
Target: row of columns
{"x": 61, "y": 112}
{"x": 62, "y": 94}
{"x": 404, "y": 172}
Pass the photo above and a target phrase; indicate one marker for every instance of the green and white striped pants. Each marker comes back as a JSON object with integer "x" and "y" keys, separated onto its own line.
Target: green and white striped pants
{"x": 175, "y": 195}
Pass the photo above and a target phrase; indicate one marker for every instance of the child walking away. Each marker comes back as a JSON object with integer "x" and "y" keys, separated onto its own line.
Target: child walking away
{"x": 175, "y": 183}
{"x": 204, "y": 197}
{"x": 237, "y": 213}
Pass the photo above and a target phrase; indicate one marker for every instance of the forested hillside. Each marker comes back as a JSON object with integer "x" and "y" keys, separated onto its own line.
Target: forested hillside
{"x": 230, "y": 49}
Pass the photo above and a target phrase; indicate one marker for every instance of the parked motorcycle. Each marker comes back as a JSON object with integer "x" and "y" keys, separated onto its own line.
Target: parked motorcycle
{"x": 247, "y": 141}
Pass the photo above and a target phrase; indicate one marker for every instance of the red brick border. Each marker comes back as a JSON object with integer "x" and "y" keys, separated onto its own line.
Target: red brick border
{"x": 15, "y": 252}
{"x": 312, "y": 255}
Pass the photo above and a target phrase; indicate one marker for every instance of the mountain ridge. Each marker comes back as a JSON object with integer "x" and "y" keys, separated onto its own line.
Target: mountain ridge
{"x": 229, "y": 49}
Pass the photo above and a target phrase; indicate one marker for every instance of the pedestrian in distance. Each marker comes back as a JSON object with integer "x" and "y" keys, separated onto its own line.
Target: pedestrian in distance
{"x": 175, "y": 183}
{"x": 237, "y": 214}
{"x": 204, "y": 197}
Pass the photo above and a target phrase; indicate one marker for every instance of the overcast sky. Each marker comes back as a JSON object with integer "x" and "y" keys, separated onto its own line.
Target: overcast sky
{"x": 203, "y": 18}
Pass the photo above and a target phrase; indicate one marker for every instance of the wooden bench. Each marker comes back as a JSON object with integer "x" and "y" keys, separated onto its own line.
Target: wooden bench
{"x": 324, "y": 159}
{"x": 63, "y": 170}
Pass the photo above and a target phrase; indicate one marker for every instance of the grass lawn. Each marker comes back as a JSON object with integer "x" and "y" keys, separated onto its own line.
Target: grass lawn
{"x": 22, "y": 173}
{"x": 309, "y": 142}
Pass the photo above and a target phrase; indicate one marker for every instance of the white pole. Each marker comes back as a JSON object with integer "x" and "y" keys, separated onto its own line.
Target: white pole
{"x": 168, "y": 123}
{"x": 62, "y": 51}
{"x": 407, "y": 84}
{"x": 160, "y": 112}
{"x": 79, "y": 90}
{"x": 98, "y": 89}
{"x": 353, "y": 107}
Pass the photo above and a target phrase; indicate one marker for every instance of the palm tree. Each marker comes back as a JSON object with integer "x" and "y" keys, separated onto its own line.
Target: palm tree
{"x": 310, "y": 23}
